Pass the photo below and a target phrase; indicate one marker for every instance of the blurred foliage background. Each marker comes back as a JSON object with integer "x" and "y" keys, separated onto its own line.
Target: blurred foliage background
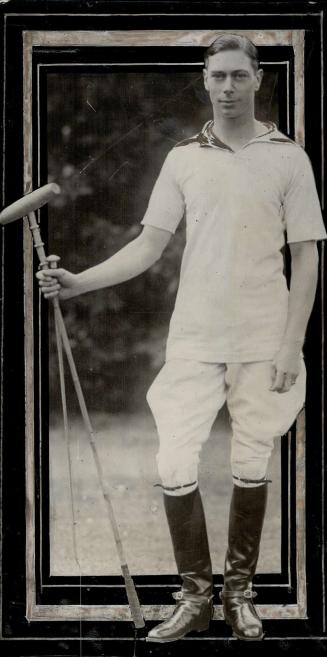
{"x": 108, "y": 134}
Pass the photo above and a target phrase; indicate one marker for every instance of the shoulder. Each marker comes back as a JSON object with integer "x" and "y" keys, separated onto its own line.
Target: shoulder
{"x": 294, "y": 147}
{"x": 291, "y": 151}
{"x": 298, "y": 158}
{"x": 179, "y": 155}
{"x": 190, "y": 141}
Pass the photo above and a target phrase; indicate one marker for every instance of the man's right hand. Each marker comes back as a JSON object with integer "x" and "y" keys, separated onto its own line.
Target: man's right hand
{"x": 57, "y": 283}
{"x": 133, "y": 259}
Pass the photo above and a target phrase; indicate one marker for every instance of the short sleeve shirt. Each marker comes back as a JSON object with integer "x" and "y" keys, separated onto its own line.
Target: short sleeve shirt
{"x": 240, "y": 206}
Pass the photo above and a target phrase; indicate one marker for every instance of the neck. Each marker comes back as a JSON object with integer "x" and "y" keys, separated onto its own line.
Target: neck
{"x": 240, "y": 128}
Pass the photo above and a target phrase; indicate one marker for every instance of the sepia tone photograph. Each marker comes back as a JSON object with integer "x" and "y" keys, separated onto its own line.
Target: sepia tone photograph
{"x": 171, "y": 230}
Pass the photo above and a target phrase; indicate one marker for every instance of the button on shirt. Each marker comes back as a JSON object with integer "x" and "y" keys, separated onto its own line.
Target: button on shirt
{"x": 232, "y": 300}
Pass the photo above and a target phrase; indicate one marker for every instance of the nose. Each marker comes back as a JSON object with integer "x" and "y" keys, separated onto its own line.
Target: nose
{"x": 228, "y": 84}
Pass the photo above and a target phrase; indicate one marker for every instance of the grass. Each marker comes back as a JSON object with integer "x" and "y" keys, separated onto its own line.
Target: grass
{"x": 127, "y": 445}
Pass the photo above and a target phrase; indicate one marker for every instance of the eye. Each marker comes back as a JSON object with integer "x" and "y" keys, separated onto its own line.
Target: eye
{"x": 218, "y": 76}
{"x": 241, "y": 75}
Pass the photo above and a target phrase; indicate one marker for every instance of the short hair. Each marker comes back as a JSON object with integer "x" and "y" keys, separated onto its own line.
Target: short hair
{"x": 233, "y": 42}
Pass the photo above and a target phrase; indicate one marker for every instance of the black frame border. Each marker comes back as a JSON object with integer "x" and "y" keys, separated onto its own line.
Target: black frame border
{"x": 14, "y": 625}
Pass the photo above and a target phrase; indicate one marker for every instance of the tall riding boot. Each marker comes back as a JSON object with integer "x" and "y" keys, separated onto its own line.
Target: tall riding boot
{"x": 188, "y": 531}
{"x": 247, "y": 511}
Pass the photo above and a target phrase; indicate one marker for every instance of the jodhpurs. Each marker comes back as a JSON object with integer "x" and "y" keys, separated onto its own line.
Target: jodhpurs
{"x": 185, "y": 399}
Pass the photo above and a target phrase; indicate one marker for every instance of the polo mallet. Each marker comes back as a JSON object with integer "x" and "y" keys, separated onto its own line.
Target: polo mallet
{"x": 27, "y": 206}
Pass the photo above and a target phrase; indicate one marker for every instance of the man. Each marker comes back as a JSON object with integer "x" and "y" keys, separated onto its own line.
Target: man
{"x": 236, "y": 333}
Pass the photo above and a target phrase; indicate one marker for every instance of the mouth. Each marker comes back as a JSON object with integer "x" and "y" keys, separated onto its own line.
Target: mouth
{"x": 227, "y": 102}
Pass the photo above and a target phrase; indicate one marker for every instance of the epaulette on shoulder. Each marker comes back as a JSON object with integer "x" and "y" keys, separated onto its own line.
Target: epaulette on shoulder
{"x": 190, "y": 140}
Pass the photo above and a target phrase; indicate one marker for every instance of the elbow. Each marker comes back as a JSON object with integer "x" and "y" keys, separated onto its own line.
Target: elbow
{"x": 305, "y": 258}
{"x": 148, "y": 253}
{"x": 152, "y": 254}
{"x": 152, "y": 247}
{"x": 310, "y": 265}
{"x": 308, "y": 269}
{"x": 157, "y": 252}
{"x": 313, "y": 263}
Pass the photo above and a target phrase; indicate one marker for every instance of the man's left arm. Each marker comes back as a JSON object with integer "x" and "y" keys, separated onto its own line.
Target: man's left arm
{"x": 303, "y": 285}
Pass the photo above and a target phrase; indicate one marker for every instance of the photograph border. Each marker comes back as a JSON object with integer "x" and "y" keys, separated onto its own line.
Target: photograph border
{"x": 25, "y": 314}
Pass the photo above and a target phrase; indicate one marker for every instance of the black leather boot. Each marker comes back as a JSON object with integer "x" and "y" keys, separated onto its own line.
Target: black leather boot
{"x": 247, "y": 511}
{"x": 188, "y": 531}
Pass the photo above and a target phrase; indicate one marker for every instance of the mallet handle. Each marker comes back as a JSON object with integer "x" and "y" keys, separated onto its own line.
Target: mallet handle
{"x": 37, "y": 240}
{"x": 39, "y": 245}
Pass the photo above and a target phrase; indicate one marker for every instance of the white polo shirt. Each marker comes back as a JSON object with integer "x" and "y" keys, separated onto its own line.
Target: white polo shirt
{"x": 231, "y": 304}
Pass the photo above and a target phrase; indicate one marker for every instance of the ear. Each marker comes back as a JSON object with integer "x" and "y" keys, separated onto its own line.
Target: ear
{"x": 259, "y": 76}
{"x": 205, "y": 78}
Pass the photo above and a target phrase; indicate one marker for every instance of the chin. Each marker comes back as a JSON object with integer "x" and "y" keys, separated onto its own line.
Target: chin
{"x": 230, "y": 112}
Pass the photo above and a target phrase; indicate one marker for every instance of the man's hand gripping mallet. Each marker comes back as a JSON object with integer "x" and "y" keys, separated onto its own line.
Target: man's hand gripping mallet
{"x": 27, "y": 206}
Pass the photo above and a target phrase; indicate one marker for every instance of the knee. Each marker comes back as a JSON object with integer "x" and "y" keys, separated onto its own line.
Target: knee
{"x": 251, "y": 450}
{"x": 149, "y": 395}
{"x": 176, "y": 474}
{"x": 154, "y": 396}
{"x": 249, "y": 471}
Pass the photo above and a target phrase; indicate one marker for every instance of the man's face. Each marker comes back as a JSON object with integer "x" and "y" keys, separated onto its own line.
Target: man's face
{"x": 231, "y": 82}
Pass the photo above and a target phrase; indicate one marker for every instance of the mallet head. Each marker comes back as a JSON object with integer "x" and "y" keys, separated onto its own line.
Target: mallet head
{"x": 29, "y": 203}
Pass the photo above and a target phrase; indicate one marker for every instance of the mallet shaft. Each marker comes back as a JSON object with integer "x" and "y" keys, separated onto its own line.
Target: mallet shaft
{"x": 53, "y": 261}
{"x": 132, "y": 596}
{"x": 129, "y": 584}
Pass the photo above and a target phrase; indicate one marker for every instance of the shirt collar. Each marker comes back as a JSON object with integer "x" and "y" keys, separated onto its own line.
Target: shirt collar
{"x": 208, "y": 138}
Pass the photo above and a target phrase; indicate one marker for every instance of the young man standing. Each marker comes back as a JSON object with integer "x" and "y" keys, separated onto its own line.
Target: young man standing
{"x": 236, "y": 333}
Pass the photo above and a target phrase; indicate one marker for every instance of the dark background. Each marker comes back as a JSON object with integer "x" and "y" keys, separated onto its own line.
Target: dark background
{"x": 108, "y": 135}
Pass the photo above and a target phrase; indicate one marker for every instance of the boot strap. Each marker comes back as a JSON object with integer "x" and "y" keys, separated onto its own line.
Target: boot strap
{"x": 248, "y": 594}
{"x": 179, "y": 595}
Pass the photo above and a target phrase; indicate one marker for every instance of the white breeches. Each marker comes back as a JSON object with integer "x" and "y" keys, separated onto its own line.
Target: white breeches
{"x": 185, "y": 398}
